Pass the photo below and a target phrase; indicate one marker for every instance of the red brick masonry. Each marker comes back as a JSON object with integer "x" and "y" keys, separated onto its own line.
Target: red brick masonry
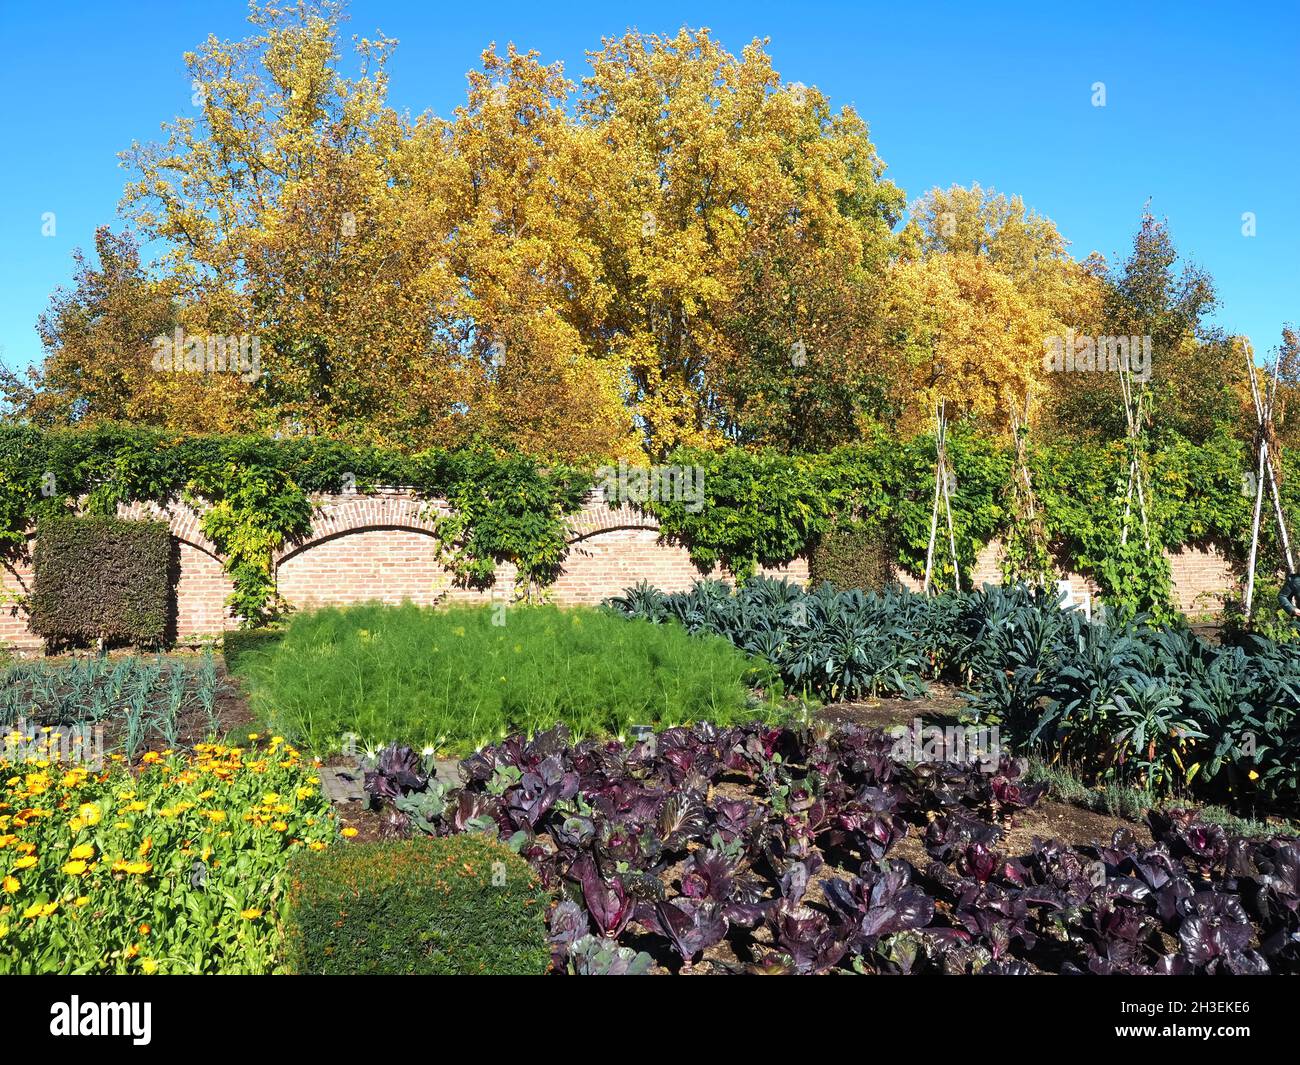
{"x": 384, "y": 546}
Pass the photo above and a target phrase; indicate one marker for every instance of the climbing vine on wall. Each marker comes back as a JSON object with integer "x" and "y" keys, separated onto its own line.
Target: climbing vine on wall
{"x": 750, "y": 508}
{"x": 254, "y": 495}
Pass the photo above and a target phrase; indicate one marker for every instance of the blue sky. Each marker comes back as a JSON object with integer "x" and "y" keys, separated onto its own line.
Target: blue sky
{"x": 1202, "y": 112}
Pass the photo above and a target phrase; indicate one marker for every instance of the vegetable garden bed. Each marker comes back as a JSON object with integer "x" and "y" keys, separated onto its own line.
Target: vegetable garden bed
{"x": 774, "y": 850}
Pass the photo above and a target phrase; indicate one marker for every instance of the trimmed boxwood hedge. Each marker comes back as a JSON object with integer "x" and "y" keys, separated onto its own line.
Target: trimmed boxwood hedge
{"x": 102, "y": 578}
{"x": 454, "y": 905}
{"x": 853, "y": 555}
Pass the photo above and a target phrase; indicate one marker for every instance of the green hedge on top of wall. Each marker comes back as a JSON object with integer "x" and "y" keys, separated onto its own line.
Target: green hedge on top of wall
{"x": 102, "y": 578}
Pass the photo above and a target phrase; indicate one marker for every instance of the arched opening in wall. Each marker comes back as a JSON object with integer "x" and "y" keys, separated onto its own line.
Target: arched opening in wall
{"x": 385, "y": 563}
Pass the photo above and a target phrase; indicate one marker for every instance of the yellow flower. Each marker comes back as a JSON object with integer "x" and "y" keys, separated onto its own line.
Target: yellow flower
{"x": 250, "y": 914}
{"x": 215, "y": 815}
{"x": 137, "y": 868}
{"x": 317, "y": 845}
{"x": 25, "y": 863}
{"x": 146, "y": 846}
{"x": 74, "y": 868}
{"x": 37, "y": 909}
{"x": 138, "y": 807}
{"x": 151, "y": 757}
{"x": 85, "y": 850}
{"x": 148, "y": 966}
{"x": 81, "y": 900}
{"x": 10, "y": 884}
{"x": 90, "y": 813}
{"x": 1253, "y": 775}
{"x": 348, "y": 833}
{"x": 279, "y": 826}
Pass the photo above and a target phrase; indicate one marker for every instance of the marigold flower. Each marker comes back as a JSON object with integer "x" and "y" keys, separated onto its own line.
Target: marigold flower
{"x": 348, "y": 833}
{"x": 74, "y": 868}
{"x": 10, "y": 885}
{"x": 25, "y": 863}
{"x": 84, "y": 850}
{"x": 250, "y": 914}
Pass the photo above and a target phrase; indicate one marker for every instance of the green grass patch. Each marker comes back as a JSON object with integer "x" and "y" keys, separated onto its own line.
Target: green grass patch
{"x": 454, "y": 679}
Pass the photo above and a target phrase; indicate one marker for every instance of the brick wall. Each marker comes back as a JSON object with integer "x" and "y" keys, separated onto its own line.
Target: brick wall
{"x": 384, "y": 547}
{"x": 1202, "y": 576}
{"x": 15, "y": 581}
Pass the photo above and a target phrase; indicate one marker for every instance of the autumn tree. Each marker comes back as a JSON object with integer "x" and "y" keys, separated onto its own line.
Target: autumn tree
{"x": 744, "y": 221}
{"x": 279, "y": 207}
{"x": 100, "y": 359}
{"x": 1197, "y": 376}
{"x": 416, "y": 280}
{"x": 524, "y": 187}
{"x": 981, "y": 284}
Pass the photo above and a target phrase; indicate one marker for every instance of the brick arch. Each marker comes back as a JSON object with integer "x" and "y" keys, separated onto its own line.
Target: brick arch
{"x": 336, "y": 516}
{"x": 387, "y": 562}
{"x": 291, "y": 551}
{"x": 202, "y": 588}
{"x": 183, "y": 520}
{"x": 599, "y": 517}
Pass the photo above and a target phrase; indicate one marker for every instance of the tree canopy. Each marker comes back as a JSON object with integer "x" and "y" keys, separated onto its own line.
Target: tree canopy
{"x": 678, "y": 249}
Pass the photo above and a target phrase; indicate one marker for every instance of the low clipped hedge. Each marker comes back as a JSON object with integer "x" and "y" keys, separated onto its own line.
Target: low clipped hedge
{"x": 454, "y": 905}
{"x": 102, "y": 578}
